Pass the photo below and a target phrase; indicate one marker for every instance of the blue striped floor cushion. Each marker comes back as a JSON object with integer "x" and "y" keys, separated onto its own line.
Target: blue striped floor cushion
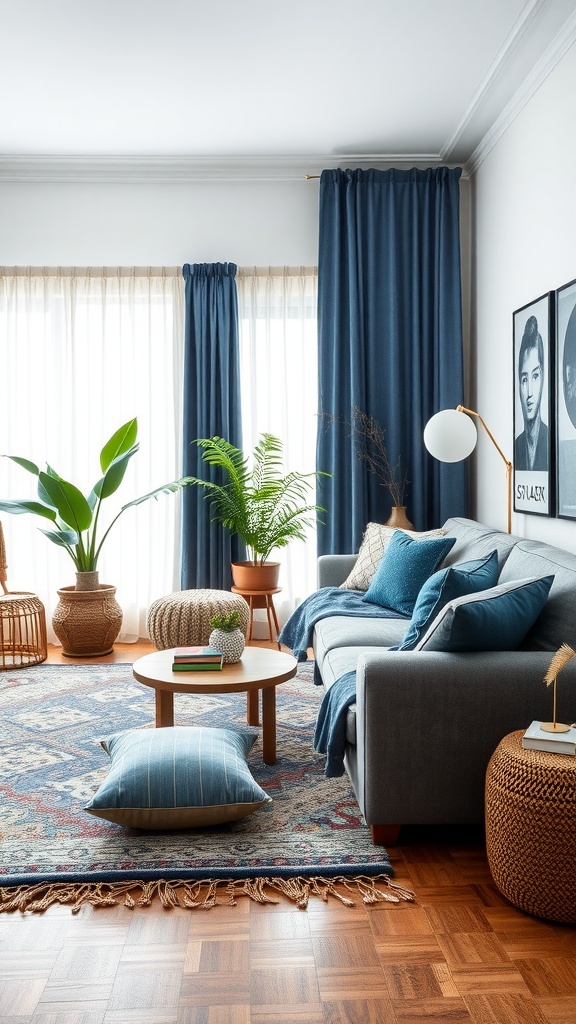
{"x": 178, "y": 777}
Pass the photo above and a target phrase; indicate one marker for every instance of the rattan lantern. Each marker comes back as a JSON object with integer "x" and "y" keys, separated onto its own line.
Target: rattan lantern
{"x": 22, "y": 623}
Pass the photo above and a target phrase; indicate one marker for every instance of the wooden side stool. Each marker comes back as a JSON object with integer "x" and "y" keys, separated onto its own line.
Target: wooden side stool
{"x": 261, "y": 599}
{"x": 531, "y": 828}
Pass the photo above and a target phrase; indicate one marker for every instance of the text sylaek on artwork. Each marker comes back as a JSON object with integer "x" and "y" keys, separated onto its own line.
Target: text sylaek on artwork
{"x": 531, "y": 492}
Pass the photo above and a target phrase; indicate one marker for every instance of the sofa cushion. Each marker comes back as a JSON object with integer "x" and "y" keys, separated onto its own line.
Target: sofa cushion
{"x": 374, "y": 543}
{"x": 445, "y": 585}
{"x": 181, "y": 777}
{"x": 336, "y": 664}
{"x": 556, "y": 624}
{"x": 494, "y": 620}
{"x": 356, "y": 631}
{"x": 473, "y": 540}
{"x": 405, "y": 567}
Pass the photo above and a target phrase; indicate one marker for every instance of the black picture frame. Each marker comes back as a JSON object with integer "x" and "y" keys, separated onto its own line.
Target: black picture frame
{"x": 534, "y": 477}
{"x": 565, "y": 355}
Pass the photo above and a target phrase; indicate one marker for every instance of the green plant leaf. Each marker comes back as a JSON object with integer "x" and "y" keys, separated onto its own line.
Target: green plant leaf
{"x": 64, "y": 538}
{"x": 31, "y": 467}
{"x": 171, "y": 488}
{"x": 70, "y": 503}
{"x": 34, "y": 507}
{"x": 121, "y": 441}
{"x": 112, "y": 478}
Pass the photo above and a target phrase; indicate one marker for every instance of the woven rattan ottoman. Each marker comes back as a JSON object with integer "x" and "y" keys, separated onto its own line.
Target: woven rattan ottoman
{"x": 531, "y": 828}
{"x": 183, "y": 618}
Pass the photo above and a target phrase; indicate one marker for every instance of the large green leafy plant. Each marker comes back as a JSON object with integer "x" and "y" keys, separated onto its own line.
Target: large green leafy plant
{"x": 260, "y": 503}
{"x": 76, "y": 518}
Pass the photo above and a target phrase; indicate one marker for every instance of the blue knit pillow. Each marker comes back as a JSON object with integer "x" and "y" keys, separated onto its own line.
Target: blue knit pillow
{"x": 181, "y": 777}
{"x": 495, "y": 620}
{"x": 405, "y": 567}
{"x": 444, "y": 586}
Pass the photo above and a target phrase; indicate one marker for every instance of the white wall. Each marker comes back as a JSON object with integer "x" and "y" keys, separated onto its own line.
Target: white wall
{"x": 525, "y": 227}
{"x": 100, "y": 224}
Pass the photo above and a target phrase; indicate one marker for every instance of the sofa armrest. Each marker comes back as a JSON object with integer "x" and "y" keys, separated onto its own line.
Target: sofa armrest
{"x": 332, "y": 570}
{"x": 428, "y": 723}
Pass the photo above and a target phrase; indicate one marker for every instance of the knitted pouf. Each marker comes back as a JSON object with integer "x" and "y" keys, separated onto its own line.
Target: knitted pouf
{"x": 182, "y": 619}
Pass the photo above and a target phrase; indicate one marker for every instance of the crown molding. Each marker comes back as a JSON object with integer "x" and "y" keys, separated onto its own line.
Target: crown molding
{"x": 173, "y": 169}
{"x": 503, "y": 56}
{"x": 553, "y": 55}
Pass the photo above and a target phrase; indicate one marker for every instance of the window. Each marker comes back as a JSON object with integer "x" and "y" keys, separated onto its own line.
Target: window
{"x": 83, "y": 351}
{"x": 278, "y": 353}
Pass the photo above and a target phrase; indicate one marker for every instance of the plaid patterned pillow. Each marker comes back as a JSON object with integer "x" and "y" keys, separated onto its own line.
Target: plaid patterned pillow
{"x": 374, "y": 543}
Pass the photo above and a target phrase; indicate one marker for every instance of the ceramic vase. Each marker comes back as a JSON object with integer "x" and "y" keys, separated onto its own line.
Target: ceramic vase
{"x": 230, "y": 643}
{"x": 399, "y": 518}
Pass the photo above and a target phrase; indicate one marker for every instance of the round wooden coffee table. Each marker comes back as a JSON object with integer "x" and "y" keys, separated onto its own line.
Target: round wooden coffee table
{"x": 259, "y": 669}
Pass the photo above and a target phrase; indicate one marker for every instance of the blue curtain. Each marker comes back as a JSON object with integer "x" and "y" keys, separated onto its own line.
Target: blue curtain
{"x": 390, "y": 341}
{"x": 211, "y": 407}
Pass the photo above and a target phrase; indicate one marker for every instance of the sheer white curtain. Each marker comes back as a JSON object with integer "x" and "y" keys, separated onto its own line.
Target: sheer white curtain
{"x": 278, "y": 352}
{"x": 81, "y": 352}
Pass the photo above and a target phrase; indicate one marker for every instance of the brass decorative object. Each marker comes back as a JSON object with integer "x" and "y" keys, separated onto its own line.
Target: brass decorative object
{"x": 561, "y": 658}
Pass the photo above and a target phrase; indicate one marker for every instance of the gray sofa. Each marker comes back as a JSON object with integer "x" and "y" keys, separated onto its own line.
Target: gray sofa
{"x": 424, "y": 724}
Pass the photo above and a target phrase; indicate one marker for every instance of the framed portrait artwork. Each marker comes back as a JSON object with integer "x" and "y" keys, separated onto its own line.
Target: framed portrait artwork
{"x": 534, "y": 477}
{"x": 566, "y": 399}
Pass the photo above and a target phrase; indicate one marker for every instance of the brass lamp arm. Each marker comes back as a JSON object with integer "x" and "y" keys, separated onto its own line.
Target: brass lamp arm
{"x": 471, "y": 412}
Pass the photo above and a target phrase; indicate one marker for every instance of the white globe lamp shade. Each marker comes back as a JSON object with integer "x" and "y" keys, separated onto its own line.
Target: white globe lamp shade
{"x": 450, "y": 436}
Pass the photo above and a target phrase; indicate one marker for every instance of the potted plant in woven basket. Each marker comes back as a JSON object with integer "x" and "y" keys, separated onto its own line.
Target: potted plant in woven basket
{"x": 88, "y": 618}
{"x": 227, "y": 637}
{"x": 259, "y": 502}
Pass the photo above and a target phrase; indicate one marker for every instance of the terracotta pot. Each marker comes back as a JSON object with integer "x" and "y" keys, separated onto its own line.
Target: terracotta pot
{"x": 248, "y": 576}
{"x": 87, "y": 622}
{"x": 399, "y": 518}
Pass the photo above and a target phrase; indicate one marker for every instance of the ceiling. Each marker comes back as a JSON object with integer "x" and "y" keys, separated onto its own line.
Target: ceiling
{"x": 173, "y": 86}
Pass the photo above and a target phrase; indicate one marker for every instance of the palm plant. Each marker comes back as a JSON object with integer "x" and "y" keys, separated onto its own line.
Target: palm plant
{"x": 260, "y": 503}
{"x": 75, "y": 518}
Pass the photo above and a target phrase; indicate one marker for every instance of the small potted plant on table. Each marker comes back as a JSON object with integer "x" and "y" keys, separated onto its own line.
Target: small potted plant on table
{"x": 227, "y": 637}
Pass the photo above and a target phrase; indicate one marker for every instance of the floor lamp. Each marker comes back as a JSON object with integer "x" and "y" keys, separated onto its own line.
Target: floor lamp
{"x": 451, "y": 436}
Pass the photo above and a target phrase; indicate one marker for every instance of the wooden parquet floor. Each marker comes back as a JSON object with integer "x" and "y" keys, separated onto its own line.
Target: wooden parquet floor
{"x": 459, "y": 955}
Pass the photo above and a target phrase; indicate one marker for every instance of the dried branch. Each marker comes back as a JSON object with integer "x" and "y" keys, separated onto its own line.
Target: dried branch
{"x": 370, "y": 446}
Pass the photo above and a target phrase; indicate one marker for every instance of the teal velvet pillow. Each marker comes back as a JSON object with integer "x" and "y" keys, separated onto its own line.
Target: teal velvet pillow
{"x": 495, "y": 620}
{"x": 403, "y": 570}
{"x": 444, "y": 586}
{"x": 180, "y": 777}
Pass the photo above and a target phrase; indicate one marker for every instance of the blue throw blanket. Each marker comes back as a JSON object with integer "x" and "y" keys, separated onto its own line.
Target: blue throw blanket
{"x": 330, "y": 734}
{"x": 297, "y": 633}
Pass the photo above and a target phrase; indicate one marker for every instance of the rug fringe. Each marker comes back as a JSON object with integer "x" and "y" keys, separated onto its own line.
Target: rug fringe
{"x": 202, "y": 894}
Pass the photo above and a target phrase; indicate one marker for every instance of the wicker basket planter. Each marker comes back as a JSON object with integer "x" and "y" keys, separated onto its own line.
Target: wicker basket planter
{"x": 87, "y": 622}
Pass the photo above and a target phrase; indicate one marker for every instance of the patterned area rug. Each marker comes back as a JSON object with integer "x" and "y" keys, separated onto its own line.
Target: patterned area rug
{"x": 51, "y": 720}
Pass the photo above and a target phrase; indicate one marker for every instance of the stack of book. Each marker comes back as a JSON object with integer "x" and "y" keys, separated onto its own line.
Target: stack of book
{"x": 536, "y": 738}
{"x": 197, "y": 659}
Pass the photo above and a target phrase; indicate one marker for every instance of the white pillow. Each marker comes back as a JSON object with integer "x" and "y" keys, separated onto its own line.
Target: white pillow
{"x": 374, "y": 543}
